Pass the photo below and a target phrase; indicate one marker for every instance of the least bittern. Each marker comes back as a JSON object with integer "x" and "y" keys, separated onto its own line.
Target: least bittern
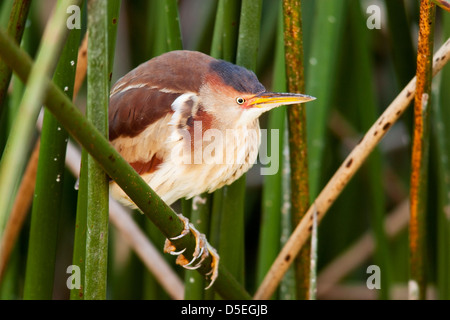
{"x": 167, "y": 106}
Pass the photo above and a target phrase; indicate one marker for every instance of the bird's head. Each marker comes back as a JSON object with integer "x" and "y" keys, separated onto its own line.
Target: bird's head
{"x": 234, "y": 94}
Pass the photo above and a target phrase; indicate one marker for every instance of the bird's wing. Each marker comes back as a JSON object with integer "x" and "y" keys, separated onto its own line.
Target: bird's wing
{"x": 138, "y": 125}
{"x": 145, "y": 122}
{"x": 152, "y": 102}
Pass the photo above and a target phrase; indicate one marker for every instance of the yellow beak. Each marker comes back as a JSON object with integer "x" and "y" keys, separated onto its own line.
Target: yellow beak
{"x": 273, "y": 99}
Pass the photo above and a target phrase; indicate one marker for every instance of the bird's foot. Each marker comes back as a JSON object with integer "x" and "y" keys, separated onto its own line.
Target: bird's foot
{"x": 202, "y": 250}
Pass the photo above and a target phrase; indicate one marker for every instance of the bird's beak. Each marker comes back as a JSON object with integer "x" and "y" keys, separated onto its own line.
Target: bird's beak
{"x": 274, "y": 99}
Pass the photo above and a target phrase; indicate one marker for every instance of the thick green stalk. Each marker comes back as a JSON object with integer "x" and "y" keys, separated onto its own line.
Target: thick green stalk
{"x": 79, "y": 246}
{"x": 79, "y": 243}
{"x": 402, "y": 48}
{"x": 441, "y": 123}
{"x": 320, "y": 78}
{"x": 16, "y": 26}
{"x": 231, "y": 9}
{"x": 221, "y": 222}
{"x": 374, "y": 162}
{"x": 100, "y": 46}
{"x": 160, "y": 42}
{"x": 141, "y": 20}
{"x": 419, "y": 159}
{"x": 174, "y": 41}
{"x": 249, "y": 34}
{"x": 14, "y": 156}
{"x": 186, "y": 207}
{"x": 231, "y": 237}
{"x": 269, "y": 238}
{"x": 97, "y": 181}
{"x": 269, "y": 29}
{"x": 194, "y": 282}
{"x": 15, "y": 98}
{"x": 9, "y": 286}
{"x": 216, "y": 215}
{"x": 297, "y": 135}
{"x": 217, "y": 52}
{"x": 232, "y": 222}
{"x": 5, "y": 10}
{"x": 49, "y": 185}
{"x": 287, "y": 290}
{"x": 113, "y": 22}
{"x": 216, "y": 45}
{"x": 117, "y": 167}
{"x": 401, "y": 42}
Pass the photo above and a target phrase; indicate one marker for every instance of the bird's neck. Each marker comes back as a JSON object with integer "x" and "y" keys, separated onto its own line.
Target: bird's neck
{"x": 236, "y": 121}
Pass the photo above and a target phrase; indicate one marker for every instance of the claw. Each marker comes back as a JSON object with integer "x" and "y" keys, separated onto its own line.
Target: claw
{"x": 214, "y": 265}
{"x": 186, "y": 229}
{"x": 200, "y": 253}
{"x": 169, "y": 248}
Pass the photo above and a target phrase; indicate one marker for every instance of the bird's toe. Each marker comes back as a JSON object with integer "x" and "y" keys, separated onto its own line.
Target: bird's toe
{"x": 202, "y": 250}
{"x": 214, "y": 273}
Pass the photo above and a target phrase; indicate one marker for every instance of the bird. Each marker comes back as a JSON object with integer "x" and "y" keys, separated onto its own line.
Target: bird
{"x": 189, "y": 123}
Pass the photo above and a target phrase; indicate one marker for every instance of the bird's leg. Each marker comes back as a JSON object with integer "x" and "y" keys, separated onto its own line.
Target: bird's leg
{"x": 202, "y": 250}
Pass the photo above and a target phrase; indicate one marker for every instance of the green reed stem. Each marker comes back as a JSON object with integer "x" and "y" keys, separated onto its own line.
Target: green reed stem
{"x": 441, "y": 125}
{"x": 174, "y": 40}
{"x": 269, "y": 238}
{"x": 227, "y": 221}
{"x": 49, "y": 185}
{"x": 100, "y": 47}
{"x": 194, "y": 283}
{"x": 16, "y": 26}
{"x": 232, "y": 221}
{"x": 79, "y": 246}
{"x": 320, "y": 78}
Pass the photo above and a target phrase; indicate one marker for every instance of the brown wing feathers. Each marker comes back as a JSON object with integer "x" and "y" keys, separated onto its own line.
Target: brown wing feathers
{"x": 133, "y": 110}
{"x": 142, "y": 167}
{"x": 143, "y": 98}
{"x": 145, "y": 94}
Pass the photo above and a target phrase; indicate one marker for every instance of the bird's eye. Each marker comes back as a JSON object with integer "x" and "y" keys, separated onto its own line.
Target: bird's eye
{"x": 240, "y": 100}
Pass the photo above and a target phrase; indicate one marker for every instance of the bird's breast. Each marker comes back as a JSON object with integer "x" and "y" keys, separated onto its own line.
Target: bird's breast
{"x": 220, "y": 156}
{"x": 199, "y": 157}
